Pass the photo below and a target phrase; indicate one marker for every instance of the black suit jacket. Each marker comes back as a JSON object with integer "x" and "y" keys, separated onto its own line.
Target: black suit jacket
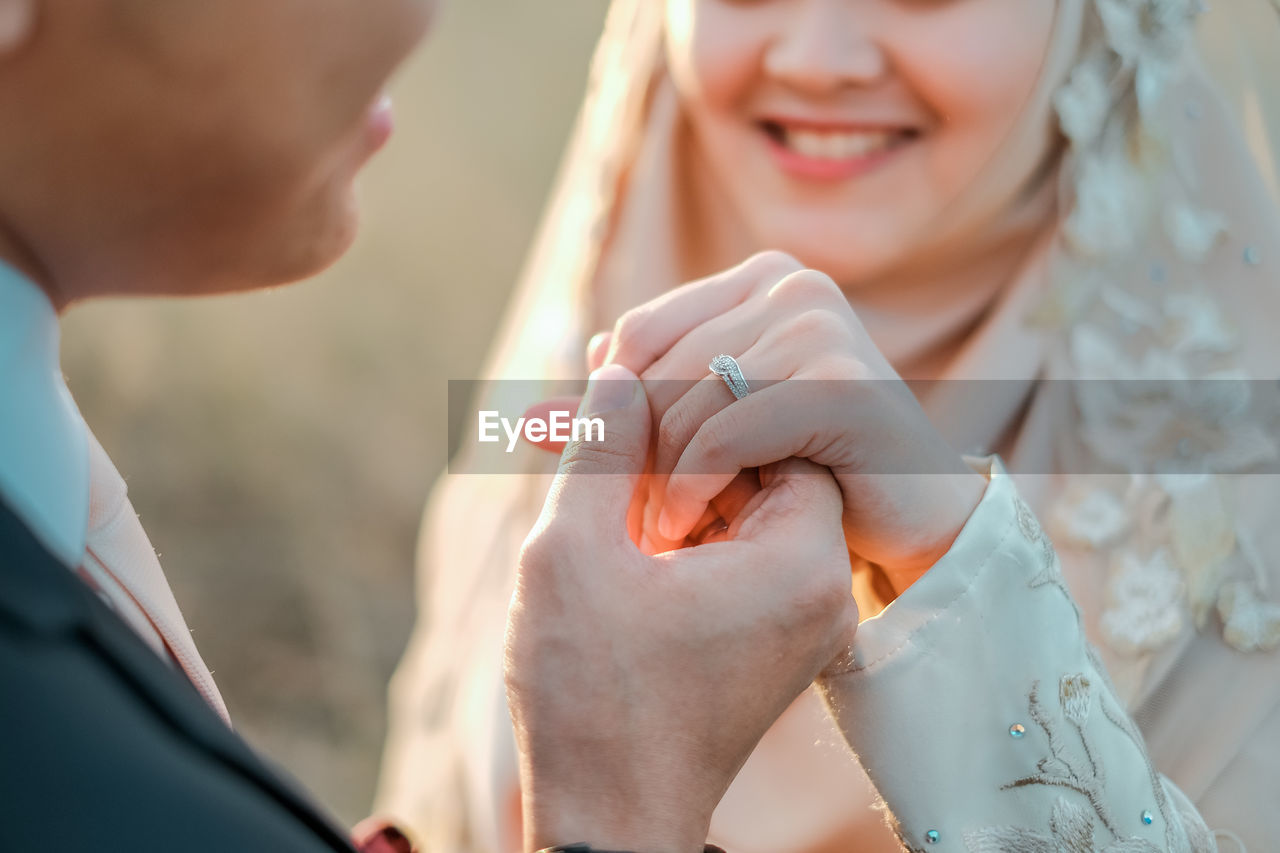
{"x": 104, "y": 748}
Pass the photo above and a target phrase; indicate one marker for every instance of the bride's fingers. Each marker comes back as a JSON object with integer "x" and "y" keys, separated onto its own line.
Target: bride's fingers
{"x": 709, "y": 525}
{"x": 643, "y": 334}
{"x": 721, "y": 512}
{"x": 724, "y": 509}
{"x": 597, "y": 349}
{"x": 679, "y": 369}
{"x": 760, "y": 429}
{"x": 771, "y": 339}
{"x": 716, "y": 521}
{"x": 652, "y": 510}
{"x": 730, "y": 503}
{"x": 682, "y": 418}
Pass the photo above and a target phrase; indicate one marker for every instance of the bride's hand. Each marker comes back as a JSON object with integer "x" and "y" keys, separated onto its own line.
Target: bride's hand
{"x": 840, "y": 404}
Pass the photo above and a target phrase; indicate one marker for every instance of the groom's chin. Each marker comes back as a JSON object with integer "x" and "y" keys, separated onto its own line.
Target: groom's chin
{"x": 304, "y": 245}
{"x": 325, "y": 243}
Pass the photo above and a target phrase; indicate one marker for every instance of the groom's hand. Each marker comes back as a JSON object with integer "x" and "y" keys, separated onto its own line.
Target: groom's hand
{"x": 639, "y": 685}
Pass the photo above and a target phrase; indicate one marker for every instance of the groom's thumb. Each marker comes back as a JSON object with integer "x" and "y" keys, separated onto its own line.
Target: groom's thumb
{"x": 600, "y": 467}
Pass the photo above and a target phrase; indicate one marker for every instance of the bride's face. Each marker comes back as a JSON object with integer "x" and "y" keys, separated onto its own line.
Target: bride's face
{"x": 841, "y": 129}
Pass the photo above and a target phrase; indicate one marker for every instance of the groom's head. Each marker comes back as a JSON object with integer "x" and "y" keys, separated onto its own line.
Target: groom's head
{"x": 188, "y": 146}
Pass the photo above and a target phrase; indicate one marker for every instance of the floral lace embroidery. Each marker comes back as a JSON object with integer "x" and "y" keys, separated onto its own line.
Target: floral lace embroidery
{"x": 1076, "y": 694}
{"x": 1031, "y": 529}
{"x": 1058, "y": 769}
{"x": 1071, "y": 830}
{"x": 1072, "y": 826}
{"x": 1250, "y": 623}
{"x": 1050, "y": 568}
{"x": 1167, "y": 521}
{"x": 1144, "y": 598}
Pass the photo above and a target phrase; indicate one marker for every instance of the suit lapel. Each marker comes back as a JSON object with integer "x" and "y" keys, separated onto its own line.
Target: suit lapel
{"x": 42, "y": 595}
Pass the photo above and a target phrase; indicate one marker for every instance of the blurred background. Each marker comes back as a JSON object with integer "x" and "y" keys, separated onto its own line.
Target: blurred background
{"x": 279, "y": 446}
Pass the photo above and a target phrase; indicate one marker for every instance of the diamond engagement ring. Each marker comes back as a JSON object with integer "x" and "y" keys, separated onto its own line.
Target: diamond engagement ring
{"x": 726, "y": 367}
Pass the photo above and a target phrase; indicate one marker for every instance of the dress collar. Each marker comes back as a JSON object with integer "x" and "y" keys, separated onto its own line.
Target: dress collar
{"x": 44, "y": 451}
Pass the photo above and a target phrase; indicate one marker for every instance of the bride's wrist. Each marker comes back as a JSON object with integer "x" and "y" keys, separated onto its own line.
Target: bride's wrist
{"x": 953, "y": 504}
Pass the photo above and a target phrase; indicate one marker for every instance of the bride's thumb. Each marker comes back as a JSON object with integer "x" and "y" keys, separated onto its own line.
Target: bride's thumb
{"x": 600, "y": 467}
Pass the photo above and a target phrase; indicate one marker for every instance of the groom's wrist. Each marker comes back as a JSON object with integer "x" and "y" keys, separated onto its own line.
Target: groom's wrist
{"x": 580, "y": 823}
{"x": 588, "y": 848}
{"x": 594, "y": 836}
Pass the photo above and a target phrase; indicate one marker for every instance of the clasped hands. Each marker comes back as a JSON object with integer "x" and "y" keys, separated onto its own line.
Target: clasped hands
{"x": 641, "y": 669}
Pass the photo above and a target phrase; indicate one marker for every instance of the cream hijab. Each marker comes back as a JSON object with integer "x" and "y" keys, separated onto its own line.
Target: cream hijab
{"x": 1146, "y": 246}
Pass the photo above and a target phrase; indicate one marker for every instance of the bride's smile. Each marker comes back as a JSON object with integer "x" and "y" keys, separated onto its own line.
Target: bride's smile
{"x": 833, "y": 151}
{"x": 843, "y": 131}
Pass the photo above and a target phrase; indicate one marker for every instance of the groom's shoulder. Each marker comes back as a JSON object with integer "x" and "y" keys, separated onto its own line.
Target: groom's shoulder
{"x": 104, "y": 747}
{"x": 36, "y": 592}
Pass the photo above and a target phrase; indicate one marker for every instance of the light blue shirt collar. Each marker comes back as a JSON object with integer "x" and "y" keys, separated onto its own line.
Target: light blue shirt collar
{"x": 44, "y": 449}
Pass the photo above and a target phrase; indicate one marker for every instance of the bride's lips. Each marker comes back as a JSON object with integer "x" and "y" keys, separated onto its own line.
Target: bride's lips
{"x": 823, "y": 151}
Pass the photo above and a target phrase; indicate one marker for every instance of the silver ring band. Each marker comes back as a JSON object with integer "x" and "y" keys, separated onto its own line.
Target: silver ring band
{"x": 726, "y": 367}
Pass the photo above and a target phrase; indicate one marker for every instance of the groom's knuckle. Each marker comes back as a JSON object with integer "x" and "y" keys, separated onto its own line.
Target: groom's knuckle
{"x": 535, "y": 554}
{"x": 552, "y": 549}
{"x": 815, "y": 599}
{"x": 833, "y": 585}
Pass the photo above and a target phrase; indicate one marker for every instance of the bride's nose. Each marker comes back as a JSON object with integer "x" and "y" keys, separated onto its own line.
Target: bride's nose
{"x": 826, "y": 45}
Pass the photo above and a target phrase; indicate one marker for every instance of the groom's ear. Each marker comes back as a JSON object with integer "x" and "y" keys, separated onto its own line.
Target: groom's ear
{"x": 17, "y": 24}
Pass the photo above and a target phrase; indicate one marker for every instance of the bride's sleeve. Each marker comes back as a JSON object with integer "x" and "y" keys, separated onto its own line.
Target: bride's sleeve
{"x": 985, "y": 719}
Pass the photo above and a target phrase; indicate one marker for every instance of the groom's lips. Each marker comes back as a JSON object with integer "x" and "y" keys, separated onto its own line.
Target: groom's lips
{"x": 379, "y": 124}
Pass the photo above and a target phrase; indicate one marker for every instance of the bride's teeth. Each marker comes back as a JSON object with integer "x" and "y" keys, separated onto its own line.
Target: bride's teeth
{"x": 850, "y": 146}
{"x": 820, "y": 145}
{"x": 806, "y": 143}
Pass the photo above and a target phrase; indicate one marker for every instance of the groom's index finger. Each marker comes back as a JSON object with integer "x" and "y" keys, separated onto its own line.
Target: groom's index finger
{"x": 644, "y": 334}
{"x": 614, "y": 455}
